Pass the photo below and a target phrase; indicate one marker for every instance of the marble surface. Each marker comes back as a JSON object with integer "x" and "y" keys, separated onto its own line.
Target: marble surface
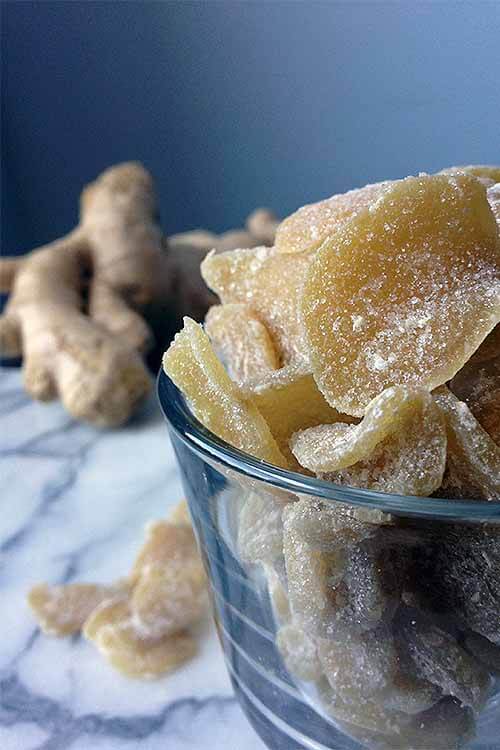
{"x": 73, "y": 504}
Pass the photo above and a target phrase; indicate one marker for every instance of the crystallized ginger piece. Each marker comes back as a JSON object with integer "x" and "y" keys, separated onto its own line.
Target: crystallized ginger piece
{"x": 62, "y": 610}
{"x": 167, "y": 545}
{"x": 404, "y": 292}
{"x": 290, "y": 401}
{"x": 168, "y": 600}
{"x": 260, "y": 529}
{"x": 114, "y": 632}
{"x": 473, "y": 460}
{"x": 214, "y": 398}
{"x": 478, "y": 385}
{"x": 399, "y": 446}
{"x": 341, "y": 573}
{"x": 241, "y": 341}
{"x": 308, "y": 227}
{"x": 179, "y": 515}
{"x": 270, "y": 284}
{"x": 299, "y": 652}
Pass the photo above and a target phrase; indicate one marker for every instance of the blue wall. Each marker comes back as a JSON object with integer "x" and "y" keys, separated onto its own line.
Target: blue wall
{"x": 234, "y": 105}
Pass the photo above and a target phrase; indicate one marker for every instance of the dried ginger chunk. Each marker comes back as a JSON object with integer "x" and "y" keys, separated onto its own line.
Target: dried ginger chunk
{"x": 368, "y": 667}
{"x": 439, "y": 658}
{"x": 215, "y": 400}
{"x": 341, "y": 573}
{"x": 308, "y": 227}
{"x": 299, "y": 652}
{"x": 404, "y": 292}
{"x": 478, "y": 385}
{"x": 62, "y": 610}
{"x": 270, "y": 284}
{"x": 473, "y": 460}
{"x": 290, "y": 401}
{"x": 169, "y": 581}
{"x": 113, "y": 630}
{"x": 260, "y": 529}
{"x": 399, "y": 446}
{"x": 179, "y": 514}
{"x": 241, "y": 341}
{"x": 493, "y": 195}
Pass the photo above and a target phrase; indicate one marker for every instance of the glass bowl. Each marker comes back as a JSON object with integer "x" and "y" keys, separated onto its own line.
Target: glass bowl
{"x": 348, "y": 618}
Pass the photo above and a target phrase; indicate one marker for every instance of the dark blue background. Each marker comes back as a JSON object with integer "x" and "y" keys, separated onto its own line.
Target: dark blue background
{"x": 233, "y": 105}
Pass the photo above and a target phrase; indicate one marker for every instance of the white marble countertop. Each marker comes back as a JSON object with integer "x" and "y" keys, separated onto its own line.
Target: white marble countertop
{"x": 74, "y": 502}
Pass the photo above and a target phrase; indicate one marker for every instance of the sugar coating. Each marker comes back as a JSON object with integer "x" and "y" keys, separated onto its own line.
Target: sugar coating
{"x": 421, "y": 268}
{"x": 260, "y": 529}
{"x": 399, "y": 446}
{"x": 473, "y": 458}
{"x": 241, "y": 341}
{"x": 308, "y": 227}
{"x": 270, "y": 284}
{"x": 62, "y": 610}
{"x": 340, "y": 571}
{"x": 291, "y": 403}
{"x": 214, "y": 398}
{"x": 112, "y": 630}
{"x": 487, "y": 172}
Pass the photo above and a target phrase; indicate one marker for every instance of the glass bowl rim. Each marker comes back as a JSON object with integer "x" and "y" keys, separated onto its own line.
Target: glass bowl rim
{"x": 208, "y": 445}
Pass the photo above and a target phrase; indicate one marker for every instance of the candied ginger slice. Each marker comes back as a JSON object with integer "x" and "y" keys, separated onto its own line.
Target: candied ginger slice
{"x": 404, "y": 292}
{"x": 260, "y": 529}
{"x": 241, "y": 341}
{"x": 179, "y": 514}
{"x": 493, "y": 195}
{"x": 308, "y": 227}
{"x": 292, "y": 404}
{"x": 166, "y": 601}
{"x": 62, "y": 610}
{"x": 399, "y": 409}
{"x": 478, "y": 384}
{"x": 214, "y": 398}
{"x": 270, "y": 285}
{"x": 299, "y": 652}
{"x": 167, "y": 545}
{"x": 473, "y": 461}
{"x": 112, "y": 630}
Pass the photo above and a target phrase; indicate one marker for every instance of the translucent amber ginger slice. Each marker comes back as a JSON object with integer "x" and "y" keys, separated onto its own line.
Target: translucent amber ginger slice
{"x": 404, "y": 292}
{"x": 478, "y": 384}
{"x": 340, "y": 571}
{"x": 270, "y": 284}
{"x": 241, "y": 341}
{"x": 308, "y": 227}
{"x": 473, "y": 458}
{"x": 111, "y": 628}
{"x": 399, "y": 446}
{"x": 493, "y": 194}
{"x": 291, "y": 404}
{"x": 62, "y": 610}
{"x": 214, "y": 398}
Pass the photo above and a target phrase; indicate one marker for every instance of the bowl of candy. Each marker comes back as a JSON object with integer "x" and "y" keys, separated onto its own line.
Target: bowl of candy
{"x": 336, "y": 424}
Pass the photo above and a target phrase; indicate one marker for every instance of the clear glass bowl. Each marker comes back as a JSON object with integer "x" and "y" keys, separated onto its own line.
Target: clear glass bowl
{"x": 387, "y": 595}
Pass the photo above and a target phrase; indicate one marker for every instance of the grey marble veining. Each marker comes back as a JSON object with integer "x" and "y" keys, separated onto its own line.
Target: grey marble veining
{"x": 73, "y": 505}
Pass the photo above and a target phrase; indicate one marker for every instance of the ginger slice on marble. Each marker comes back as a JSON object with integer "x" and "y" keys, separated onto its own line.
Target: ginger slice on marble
{"x": 114, "y": 631}
{"x": 179, "y": 514}
{"x": 289, "y": 400}
{"x": 62, "y": 610}
{"x": 241, "y": 341}
{"x": 399, "y": 446}
{"x": 214, "y": 398}
{"x": 404, "y": 292}
{"x": 311, "y": 225}
{"x": 270, "y": 284}
{"x": 473, "y": 458}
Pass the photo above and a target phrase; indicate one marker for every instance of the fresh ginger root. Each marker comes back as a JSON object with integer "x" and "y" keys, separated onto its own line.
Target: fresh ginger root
{"x": 75, "y": 305}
